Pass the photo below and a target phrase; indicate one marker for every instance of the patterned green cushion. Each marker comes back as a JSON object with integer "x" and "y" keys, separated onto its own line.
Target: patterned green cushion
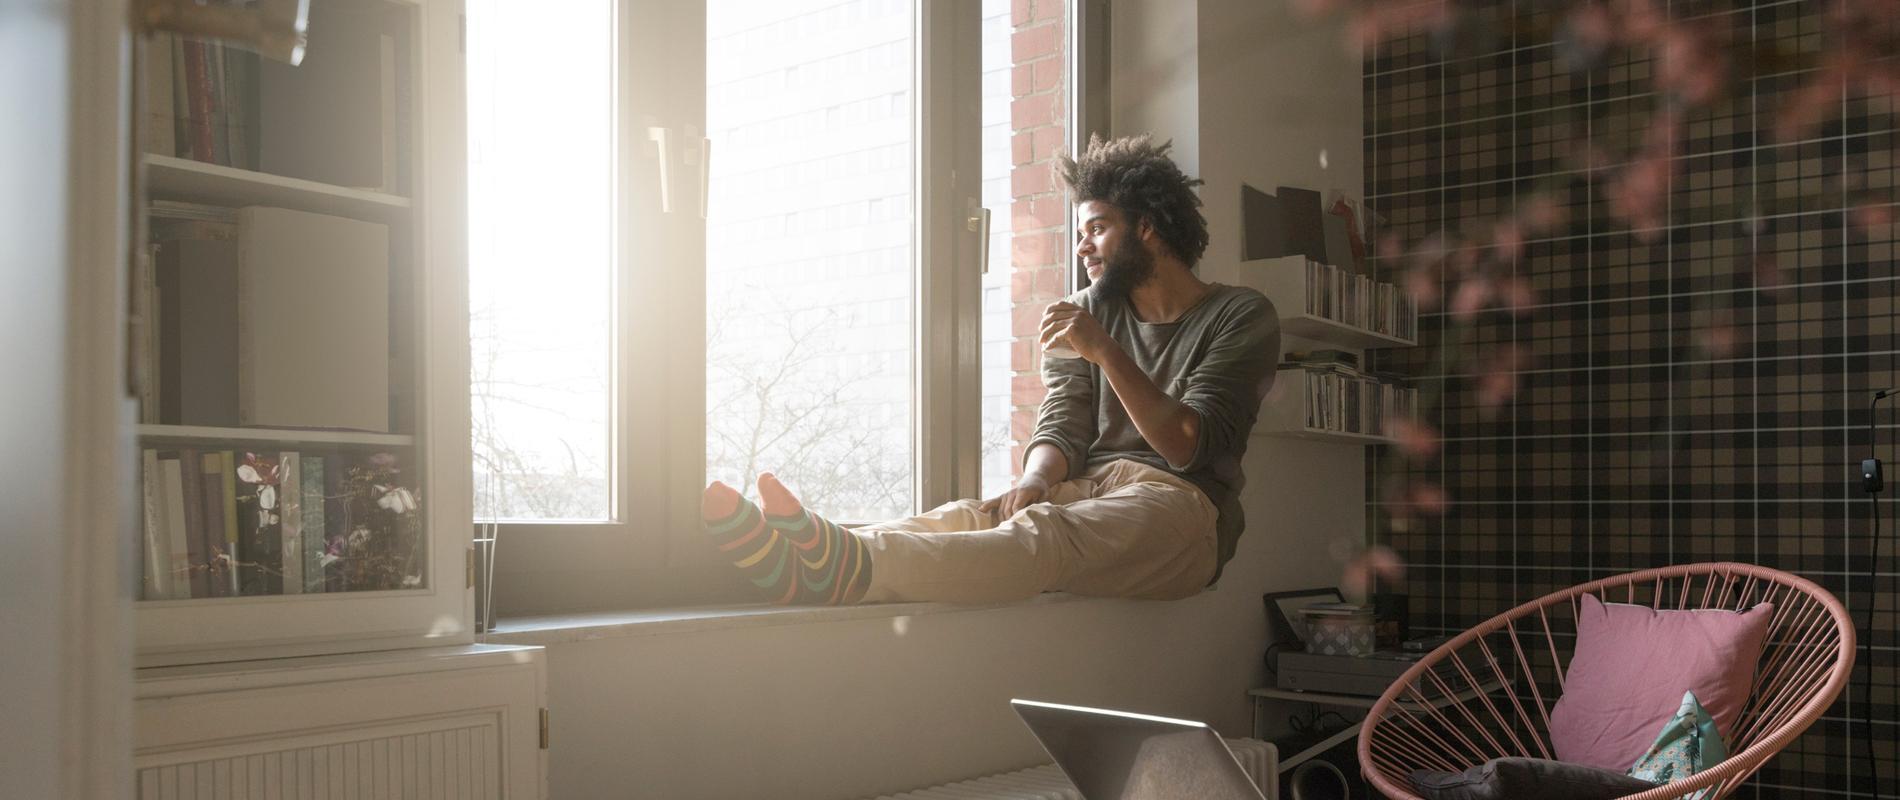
{"x": 1688, "y": 744}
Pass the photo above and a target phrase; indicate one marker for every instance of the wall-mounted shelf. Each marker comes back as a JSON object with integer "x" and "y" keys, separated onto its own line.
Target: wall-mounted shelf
{"x": 173, "y": 178}
{"x": 1285, "y": 412}
{"x": 1332, "y": 331}
{"x": 1324, "y": 303}
{"x": 208, "y": 434}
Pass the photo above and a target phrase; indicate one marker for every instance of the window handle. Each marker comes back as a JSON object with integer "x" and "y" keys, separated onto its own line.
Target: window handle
{"x": 979, "y": 223}
{"x": 657, "y": 135}
{"x": 705, "y": 173}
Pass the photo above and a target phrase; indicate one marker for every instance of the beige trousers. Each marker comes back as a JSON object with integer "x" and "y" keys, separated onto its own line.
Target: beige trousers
{"x": 1123, "y": 530}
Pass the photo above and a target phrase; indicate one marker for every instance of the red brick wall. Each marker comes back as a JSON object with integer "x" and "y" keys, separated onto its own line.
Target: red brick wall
{"x": 1039, "y": 253}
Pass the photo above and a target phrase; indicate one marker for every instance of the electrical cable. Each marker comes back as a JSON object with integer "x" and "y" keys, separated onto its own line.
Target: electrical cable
{"x": 1873, "y": 597}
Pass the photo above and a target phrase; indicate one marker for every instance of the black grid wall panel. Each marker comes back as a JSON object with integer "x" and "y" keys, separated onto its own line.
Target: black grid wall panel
{"x": 1691, "y": 393}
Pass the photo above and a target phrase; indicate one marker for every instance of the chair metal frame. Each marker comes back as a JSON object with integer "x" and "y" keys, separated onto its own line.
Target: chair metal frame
{"x": 1804, "y": 666}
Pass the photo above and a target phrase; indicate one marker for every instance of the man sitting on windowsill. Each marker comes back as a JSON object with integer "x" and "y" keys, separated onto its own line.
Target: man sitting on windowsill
{"x": 1131, "y": 481}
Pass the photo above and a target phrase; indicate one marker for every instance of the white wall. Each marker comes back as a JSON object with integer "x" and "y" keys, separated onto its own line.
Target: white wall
{"x": 861, "y": 707}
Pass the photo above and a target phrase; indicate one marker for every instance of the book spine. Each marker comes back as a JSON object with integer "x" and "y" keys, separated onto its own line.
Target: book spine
{"x": 335, "y": 524}
{"x": 196, "y": 580}
{"x": 156, "y": 553}
{"x": 290, "y": 521}
{"x": 198, "y": 91}
{"x": 155, "y": 123}
{"x": 387, "y": 51}
{"x": 314, "y": 529}
{"x": 172, "y": 482}
{"x": 227, "y": 475}
{"x": 210, "y": 497}
{"x": 215, "y": 69}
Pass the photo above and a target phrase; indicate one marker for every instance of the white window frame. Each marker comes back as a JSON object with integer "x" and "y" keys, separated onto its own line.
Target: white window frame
{"x": 648, "y": 553}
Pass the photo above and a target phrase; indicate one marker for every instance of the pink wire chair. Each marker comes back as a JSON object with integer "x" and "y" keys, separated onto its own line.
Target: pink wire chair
{"x": 1488, "y": 692}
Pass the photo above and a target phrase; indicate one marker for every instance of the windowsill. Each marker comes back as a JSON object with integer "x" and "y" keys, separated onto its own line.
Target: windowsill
{"x": 556, "y": 629}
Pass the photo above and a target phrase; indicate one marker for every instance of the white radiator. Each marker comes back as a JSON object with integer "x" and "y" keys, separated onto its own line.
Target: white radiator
{"x": 1260, "y": 759}
{"x": 450, "y": 761}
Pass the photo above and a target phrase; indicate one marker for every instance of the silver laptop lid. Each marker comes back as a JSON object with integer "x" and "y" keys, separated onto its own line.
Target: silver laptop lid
{"x": 1116, "y": 755}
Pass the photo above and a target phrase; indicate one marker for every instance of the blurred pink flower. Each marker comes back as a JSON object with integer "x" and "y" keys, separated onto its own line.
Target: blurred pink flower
{"x": 1518, "y": 295}
{"x": 1375, "y": 565}
{"x": 1872, "y": 215}
{"x": 1415, "y": 438}
{"x": 1767, "y": 271}
{"x": 1422, "y": 286}
{"x": 1498, "y": 382}
{"x": 1719, "y": 339}
{"x": 1470, "y": 297}
{"x": 1414, "y": 499}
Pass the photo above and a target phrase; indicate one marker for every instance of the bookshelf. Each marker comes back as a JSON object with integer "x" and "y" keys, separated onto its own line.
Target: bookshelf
{"x": 297, "y": 345}
{"x": 299, "y": 333}
{"x": 182, "y": 179}
{"x": 175, "y": 434}
{"x": 1284, "y": 412}
{"x": 1331, "y": 306}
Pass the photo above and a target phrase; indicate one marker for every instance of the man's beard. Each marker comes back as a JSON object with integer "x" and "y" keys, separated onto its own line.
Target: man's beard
{"x": 1124, "y": 271}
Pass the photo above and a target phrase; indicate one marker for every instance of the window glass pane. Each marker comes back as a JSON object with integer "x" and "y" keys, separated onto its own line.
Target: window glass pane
{"x": 1028, "y": 257}
{"x": 810, "y": 277}
{"x": 540, "y": 126}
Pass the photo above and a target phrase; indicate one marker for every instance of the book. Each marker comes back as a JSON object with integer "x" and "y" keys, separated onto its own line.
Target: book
{"x": 1263, "y": 226}
{"x": 196, "y": 544}
{"x": 227, "y": 480}
{"x": 156, "y": 554}
{"x": 314, "y": 528}
{"x": 200, "y": 143}
{"x": 336, "y": 523}
{"x": 1339, "y": 249}
{"x": 210, "y": 497}
{"x": 172, "y": 489}
{"x": 290, "y": 521}
{"x": 196, "y": 283}
{"x": 144, "y": 322}
{"x": 259, "y": 523}
{"x": 312, "y": 320}
{"x": 156, "y": 131}
{"x": 1305, "y": 233}
{"x": 238, "y": 106}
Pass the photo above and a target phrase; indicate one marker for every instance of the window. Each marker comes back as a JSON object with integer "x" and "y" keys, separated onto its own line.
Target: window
{"x": 541, "y": 317}
{"x": 809, "y": 330}
{"x": 824, "y": 319}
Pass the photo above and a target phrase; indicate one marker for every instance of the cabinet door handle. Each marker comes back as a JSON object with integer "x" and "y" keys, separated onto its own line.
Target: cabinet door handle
{"x": 657, "y": 135}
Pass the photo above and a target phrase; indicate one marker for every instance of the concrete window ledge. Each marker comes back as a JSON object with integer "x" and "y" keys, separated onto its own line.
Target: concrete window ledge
{"x": 556, "y": 629}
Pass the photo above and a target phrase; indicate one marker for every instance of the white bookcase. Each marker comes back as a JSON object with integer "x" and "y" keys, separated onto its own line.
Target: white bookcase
{"x": 1314, "y": 307}
{"x": 353, "y": 672}
{"x": 226, "y": 138}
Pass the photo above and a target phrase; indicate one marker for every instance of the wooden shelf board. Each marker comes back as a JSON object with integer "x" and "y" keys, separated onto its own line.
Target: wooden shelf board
{"x": 174, "y": 178}
{"x": 200, "y": 433}
{"x": 1333, "y": 331}
{"x": 1325, "y": 435}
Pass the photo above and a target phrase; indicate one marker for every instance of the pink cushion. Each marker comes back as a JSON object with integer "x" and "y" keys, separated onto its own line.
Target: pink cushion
{"x": 1631, "y": 667}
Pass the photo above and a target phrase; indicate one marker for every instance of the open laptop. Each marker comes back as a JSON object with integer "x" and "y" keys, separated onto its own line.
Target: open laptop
{"x": 1116, "y": 755}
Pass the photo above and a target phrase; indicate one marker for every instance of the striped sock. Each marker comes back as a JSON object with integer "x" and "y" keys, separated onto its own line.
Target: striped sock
{"x": 834, "y": 567}
{"x": 738, "y": 530}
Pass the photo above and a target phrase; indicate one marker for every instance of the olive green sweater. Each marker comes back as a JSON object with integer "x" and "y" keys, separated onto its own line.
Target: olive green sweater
{"x": 1218, "y": 359}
